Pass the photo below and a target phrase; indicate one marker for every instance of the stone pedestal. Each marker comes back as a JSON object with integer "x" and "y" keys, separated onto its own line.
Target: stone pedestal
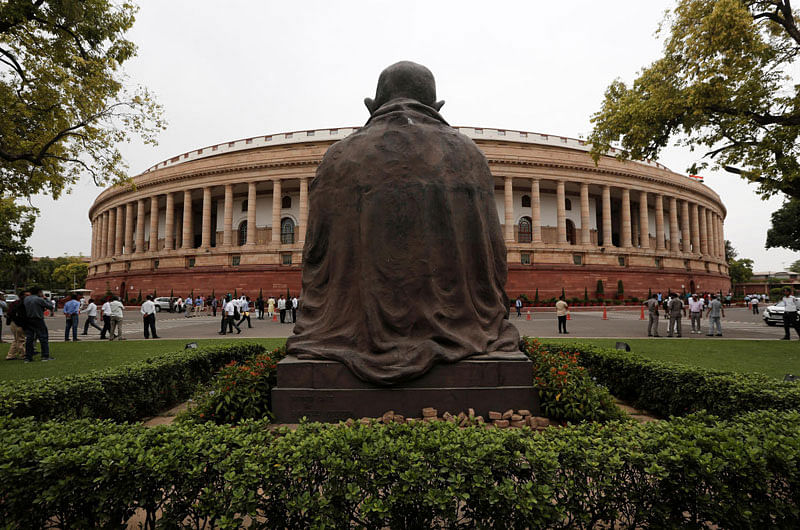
{"x": 328, "y": 391}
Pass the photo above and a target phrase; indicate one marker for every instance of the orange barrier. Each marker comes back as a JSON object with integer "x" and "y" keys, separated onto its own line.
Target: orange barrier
{"x": 569, "y": 316}
{"x": 641, "y": 317}
{"x": 528, "y": 316}
{"x": 605, "y": 314}
{"x": 274, "y": 317}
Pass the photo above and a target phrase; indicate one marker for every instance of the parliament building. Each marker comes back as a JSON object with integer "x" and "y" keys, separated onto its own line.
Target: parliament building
{"x": 233, "y": 216}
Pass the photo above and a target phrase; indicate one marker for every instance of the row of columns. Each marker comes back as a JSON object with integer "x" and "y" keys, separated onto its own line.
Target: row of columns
{"x": 113, "y": 230}
{"x": 699, "y": 229}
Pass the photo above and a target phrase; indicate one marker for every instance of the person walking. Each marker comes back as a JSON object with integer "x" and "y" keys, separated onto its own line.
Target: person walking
{"x": 116, "y": 308}
{"x": 16, "y": 321}
{"x": 3, "y": 307}
{"x": 71, "y": 310}
{"x": 754, "y": 304}
{"x": 91, "y": 316}
{"x": 282, "y": 308}
{"x": 270, "y": 306}
{"x": 148, "y": 311}
{"x": 35, "y": 328}
{"x": 294, "y": 309}
{"x": 652, "y": 305}
{"x": 214, "y": 304}
{"x": 518, "y": 305}
{"x": 244, "y": 311}
{"x": 696, "y": 312}
{"x": 228, "y": 311}
{"x": 106, "y": 314}
{"x": 676, "y": 310}
{"x": 562, "y": 309}
{"x": 188, "y": 303}
{"x": 715, "y": 313}
{"x": 260, "y": 308}
{"x": 791, "y": 304}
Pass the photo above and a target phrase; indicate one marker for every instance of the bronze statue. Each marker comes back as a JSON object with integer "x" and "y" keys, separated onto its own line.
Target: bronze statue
{"x": 404, "y": 260}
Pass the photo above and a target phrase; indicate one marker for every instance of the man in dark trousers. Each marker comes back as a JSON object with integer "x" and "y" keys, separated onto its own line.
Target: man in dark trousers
{"x": 148, "y": 311}
{"x": 35, "y": 307}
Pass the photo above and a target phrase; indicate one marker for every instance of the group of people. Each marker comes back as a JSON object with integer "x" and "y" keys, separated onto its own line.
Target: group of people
{"x": 675, "y": 309}
{"x": 235, "y": 311}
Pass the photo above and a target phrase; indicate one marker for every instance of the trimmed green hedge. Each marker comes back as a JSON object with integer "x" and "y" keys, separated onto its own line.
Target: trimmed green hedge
{"x": 123, "y": 393}
{"x": 674, "y": 389}
{"x": 689, "y": 472}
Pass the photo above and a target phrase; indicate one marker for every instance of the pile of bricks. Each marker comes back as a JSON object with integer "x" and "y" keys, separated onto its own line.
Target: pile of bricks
{"x": 497, "y": 420}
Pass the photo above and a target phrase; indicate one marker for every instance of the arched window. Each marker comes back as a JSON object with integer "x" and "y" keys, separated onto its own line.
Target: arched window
{"x": 567, "y": 204}
{"x": 526, "y": 201}
{"x": 242, "y": 233}
{"x": 570, "y": 232}
{"x": 525, "y": 230}
{"x": 287, "y": 231}
{"x": 286, "y": 202}
{"x": 244, "y": 205}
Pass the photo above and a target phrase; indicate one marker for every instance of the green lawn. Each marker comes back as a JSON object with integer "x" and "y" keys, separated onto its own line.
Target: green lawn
{"x": 774, "y": 358}
{"x": 78, "y": 358}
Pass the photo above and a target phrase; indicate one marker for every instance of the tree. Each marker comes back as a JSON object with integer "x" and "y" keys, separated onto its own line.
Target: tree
{"x": 721, "y": 85}
{"x": 66, "y": 103}
{"x": 16, "y": 226}
{"x": 71, "y": 276}
{"x": 785, "y": 229}
{"x": 795, "y": 267}
{"x": 730, "y": 252}
{"x": 740, "y": 270}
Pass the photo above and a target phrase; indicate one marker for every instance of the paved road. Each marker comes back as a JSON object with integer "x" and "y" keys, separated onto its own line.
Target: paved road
{"x": 739, "y": 323}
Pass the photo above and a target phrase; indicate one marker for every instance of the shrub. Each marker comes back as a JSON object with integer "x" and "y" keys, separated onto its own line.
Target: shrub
{"x": 239, "y": 391}
{"x": 123, "y": 393}
{"x": 566, "y": 392}
{"x": 689, "y": 472}
{"x": 674, "y": 389}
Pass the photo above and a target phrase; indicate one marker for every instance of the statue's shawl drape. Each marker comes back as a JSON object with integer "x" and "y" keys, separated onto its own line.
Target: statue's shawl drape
{"x": 404, "y": 263}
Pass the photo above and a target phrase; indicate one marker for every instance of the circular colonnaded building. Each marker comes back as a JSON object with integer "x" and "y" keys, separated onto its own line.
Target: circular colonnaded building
{"x": 232, "y": 217}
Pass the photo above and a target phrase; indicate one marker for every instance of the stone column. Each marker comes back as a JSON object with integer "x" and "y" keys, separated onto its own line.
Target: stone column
{"x": 303, "y": 209}
{"x": 251, "y": 213}
{"x": 508, "y": 188}
{"x": 660, "y": 244}
{"x": 561, "y": 212}
{"x": 608, "y": 240}
{"x": 626, "y": 219}
{"x": 119, "y": 232}
{"x": 702, "y": 223}
{"x": 227, "y": 216}
{"x": 153, "y": 224}
{"x": 129, "y": 228}
{"x": 169, "y": 223}
{"x": 586, "y": 237}
{"x": 276, "y": 211}
{"x": 103, "y": 234}
{"x": 714, "y": 235}
{"x": 674, "y": 232}
{"x": 695, "y": 230}
{"x": 94, "y": 239}
{"x": 721, "y": 236}
{"x": 536, "y": 212}
{"x": 206, "y": 234}
{"x": 687, "y": 243}
{"x": 644, "y": 221}
{"x": 112, "y": 231}
{"x": 140, "y": 226}
{"x": 187, "y": 239}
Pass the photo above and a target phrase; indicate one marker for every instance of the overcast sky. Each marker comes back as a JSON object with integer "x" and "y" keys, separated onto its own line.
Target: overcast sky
{"x": 235, "y": 69}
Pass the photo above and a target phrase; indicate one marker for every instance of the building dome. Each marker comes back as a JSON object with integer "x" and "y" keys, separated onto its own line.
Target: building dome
{"x": 233, "y": 216}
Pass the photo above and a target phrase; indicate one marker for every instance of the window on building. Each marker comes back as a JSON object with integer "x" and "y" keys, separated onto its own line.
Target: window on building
{"x": 567, "y": 204}
{"x": 525, "y": 258}
{"x": 244, "y": 205}
{"x": 286, "y": 202}
{"x": 570, "y": 232}
{"x": 525, "y": 230}
{"x": 577, "y": 259}
{"x": 526, "y": 201}
{"x": 156, "y": 263}
{"x": 286, "y": 259}
{"x": 242, "y": 233}
{"x": 659, "y": 263}
{"x": 236, "y": 260}
{"x": 287, "y": 231}
{"x": 621, "y": 261}
{"x": 190, "y": 262}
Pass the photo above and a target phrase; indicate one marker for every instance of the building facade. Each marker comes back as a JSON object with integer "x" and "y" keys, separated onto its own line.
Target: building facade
{"x": 233, "y": 217}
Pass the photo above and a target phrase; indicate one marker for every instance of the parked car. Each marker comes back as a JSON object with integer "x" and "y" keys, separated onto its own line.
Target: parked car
{"x": 11, "y": 298}
{"x": 163, "y": 303}
{"x": 773, "y": 315}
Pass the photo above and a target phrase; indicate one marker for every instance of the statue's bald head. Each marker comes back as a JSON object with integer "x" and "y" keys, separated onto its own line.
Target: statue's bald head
{"x": 405, "y": 80}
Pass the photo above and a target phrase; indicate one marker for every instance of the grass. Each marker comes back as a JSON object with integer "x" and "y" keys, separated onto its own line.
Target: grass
{"x": 82, "y": 357}
{"x": 773, "y": 358}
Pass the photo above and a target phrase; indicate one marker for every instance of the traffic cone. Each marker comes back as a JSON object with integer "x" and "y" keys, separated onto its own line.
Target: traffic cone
{"x": 605, "y": 314}
{"x": 569, "y": 316}
{"x": 528, "y": 316}
{"x": 274, "y": 317}
{"x": 641, "y": 317}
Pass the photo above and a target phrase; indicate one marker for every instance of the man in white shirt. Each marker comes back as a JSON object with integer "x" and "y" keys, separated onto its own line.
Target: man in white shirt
{"x": 91, "y": 316}
{"x": 148, "y": 311}
{"x": 228, "y": 310}
{"x": 106, "y": 309}
{"x": 189, "y": 303}
{"x": 790, "y": 306}
{"x": 294, "y": 309}
{"x": 282, "y": 308}
{"x": 3, "y": 306}
{"x": 696, "y": 312}
{"x": 116, "y": 319}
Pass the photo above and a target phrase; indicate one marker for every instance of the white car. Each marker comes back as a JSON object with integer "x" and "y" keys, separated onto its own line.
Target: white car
{"x": 11, "y": 298}
{"x": 773, "y": 315}
{"x": 162, "y": 304}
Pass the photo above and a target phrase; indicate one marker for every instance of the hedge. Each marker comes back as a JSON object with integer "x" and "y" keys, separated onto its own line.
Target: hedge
{"x": 123, "y": 393}
{"x": 689, "y": 472}
{"x": 673, "y": 389}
